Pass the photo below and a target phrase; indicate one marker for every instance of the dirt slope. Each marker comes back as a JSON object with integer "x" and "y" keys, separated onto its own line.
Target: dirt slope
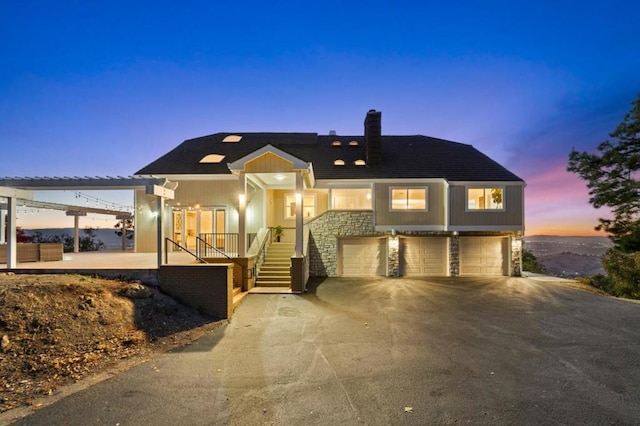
{"x": 58, "y": 329}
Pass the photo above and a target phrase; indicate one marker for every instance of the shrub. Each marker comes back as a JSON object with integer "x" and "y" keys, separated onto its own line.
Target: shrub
{"x": 623, "y": 273}
{"x": 530, "y": 263}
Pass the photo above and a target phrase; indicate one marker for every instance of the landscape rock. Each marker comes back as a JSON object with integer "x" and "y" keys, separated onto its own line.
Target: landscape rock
{"x": 138, "y": 291}
{"x": 4, "y": 346}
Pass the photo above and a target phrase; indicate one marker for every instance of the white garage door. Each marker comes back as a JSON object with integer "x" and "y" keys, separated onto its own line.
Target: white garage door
{"x": 483, "y": 256}
{"x": 423, "y": 256}
{"x": 362, "y": 257}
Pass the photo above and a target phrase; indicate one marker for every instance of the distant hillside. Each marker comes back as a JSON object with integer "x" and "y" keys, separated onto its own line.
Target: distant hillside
{"x": 107, "y": 236}
{"x": 569, "y": 256}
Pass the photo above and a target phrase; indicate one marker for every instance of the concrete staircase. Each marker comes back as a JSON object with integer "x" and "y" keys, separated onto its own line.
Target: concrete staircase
{"x": 275, "y": 272}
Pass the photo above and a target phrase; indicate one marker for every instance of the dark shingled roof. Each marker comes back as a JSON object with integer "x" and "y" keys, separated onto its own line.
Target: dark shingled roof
{"x": 402, "y": 157}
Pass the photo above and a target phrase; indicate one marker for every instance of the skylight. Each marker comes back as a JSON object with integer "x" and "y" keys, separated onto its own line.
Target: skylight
{"x": 359, "y": 163}
{"x": 212, "y": 158}
{"x": 232, "y": 138}
{"x": 336, "y": 143}
{"x": 338, "y": 163}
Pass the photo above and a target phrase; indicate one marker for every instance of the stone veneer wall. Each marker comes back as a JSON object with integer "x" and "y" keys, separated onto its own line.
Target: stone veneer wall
{"x": 454, "y": 256}
{"x": 516, "y": 256}
{"x": 323, "y": 239}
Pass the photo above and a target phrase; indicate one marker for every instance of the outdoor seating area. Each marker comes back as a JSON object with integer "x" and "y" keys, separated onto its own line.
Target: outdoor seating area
{"x": 34, "y": 252}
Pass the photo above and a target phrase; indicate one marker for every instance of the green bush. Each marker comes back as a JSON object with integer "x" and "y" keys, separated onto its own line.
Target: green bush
{"x": 530, "y": 263}
{"x": 623, "y": 274}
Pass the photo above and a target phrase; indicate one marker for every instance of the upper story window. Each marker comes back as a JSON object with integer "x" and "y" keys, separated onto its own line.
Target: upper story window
{"x": 308, "y": 206}
{"x": 485, "y": 198}
{"x": 409, "y": 199}
{"x": 351, "y": 199}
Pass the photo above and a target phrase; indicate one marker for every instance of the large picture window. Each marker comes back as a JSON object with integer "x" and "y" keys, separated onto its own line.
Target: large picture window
{"x": 409, "y": 199}
{"x": 308, "y": 206}
{"x": 351, "y": 199}
{"x": 485, "y": 198}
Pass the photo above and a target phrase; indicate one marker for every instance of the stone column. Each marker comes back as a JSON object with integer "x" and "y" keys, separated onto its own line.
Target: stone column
{"x": 393, "y": 256}
{"x": 454, "y": 255}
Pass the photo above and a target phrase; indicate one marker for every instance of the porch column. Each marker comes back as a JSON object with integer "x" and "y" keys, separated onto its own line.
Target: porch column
{"x": 3, "y": 218}
{"x": 12, "y": 239}
{"x": 76, "y": 233}
{"x": 242, "y": 215}
{"x": 299, "y": 217}
{"x": 160, "y": 227}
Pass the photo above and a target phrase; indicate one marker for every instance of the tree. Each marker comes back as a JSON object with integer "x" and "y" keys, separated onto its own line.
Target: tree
{"x": 531, "y": 264}
{"x": 613, "y": 179}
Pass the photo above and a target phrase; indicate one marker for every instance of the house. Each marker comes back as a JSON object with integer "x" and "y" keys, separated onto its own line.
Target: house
{"x": 349, "y": 205}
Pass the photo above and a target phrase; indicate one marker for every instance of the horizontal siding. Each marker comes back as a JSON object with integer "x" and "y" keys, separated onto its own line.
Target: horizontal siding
{"x": 513, "y": 214}
{"x": 385, "y": 217}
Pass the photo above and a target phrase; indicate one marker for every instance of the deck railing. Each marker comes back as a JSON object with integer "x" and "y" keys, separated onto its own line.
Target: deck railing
{"x": 218, "y": 245}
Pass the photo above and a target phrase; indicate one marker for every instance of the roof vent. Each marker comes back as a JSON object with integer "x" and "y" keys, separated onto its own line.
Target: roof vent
{"x": 353, "y": 143}
{"x": 332, "y": 132}
{"x": 336, "y": 143}
{"x": 338, "y": 163}
{"x": 360, "y": 163}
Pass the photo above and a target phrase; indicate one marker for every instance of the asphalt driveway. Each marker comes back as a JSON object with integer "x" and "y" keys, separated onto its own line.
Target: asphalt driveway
{"x": 390, "y": 351}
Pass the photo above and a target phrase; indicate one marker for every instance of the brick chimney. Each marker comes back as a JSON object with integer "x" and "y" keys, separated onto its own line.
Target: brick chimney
{"x": 373, "y": 137}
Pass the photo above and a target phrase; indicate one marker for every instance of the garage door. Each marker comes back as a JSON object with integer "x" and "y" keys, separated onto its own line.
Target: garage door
{"x": 362, "y": 257}
{"x": 423, "y": 257}
{"x": 483, "y": 256}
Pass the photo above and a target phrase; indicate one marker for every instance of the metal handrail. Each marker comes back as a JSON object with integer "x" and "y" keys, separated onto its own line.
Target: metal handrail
{"x": 228, "y": 257}
{"x": 208, "y": 245}
{"x": 168, "y": 240}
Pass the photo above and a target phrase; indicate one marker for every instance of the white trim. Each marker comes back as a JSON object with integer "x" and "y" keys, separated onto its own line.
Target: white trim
{"x": 486, "y": 228}
{"x": 481, "y": 183}
{"x": 408, "y": 228}
{"x": 355, "y": 183}
{"x": 239, "y": 165}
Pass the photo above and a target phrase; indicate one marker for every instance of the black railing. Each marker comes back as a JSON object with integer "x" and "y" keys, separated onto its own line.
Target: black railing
{"x": 218, "y": 245}
{"x": 166, "y": 251}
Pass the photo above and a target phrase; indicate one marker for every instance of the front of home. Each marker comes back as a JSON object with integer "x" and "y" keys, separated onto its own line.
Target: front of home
{"x": 349, "y": 205}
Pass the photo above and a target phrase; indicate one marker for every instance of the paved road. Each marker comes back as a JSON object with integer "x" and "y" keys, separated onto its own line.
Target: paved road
{"x": 389, "y": 351}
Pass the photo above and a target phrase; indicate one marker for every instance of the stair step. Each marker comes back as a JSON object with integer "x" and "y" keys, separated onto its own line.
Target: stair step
{"x": 273, "y": 283}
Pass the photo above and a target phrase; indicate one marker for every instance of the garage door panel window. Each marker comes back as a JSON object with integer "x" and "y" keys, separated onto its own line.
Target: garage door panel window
{"x": 485, "y": 199}
{"x": 409, "y": 199}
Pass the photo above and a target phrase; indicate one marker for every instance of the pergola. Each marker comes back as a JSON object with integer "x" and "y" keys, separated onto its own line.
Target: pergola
{"x": 20, "y": 190}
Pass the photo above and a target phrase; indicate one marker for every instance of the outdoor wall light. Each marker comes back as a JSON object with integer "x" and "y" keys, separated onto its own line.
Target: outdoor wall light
{"x": 298, "y": 198}
{"x": 242, "y": 198}
{"x": 394, "y": 243}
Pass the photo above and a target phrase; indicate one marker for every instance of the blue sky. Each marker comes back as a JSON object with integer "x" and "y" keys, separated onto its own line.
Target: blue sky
{"x": 89, "y": 88}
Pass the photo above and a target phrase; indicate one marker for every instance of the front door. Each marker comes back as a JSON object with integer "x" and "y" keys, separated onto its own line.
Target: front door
{"x": 188, "y": 225}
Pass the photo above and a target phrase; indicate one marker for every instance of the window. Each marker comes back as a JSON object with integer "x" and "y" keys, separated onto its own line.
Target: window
{"x": 212, "y": 158}
{"x": 485, "y": 198}
{"x": 232, "y": 138}
{"x": 308, "y": 206}
{"x": 408, "y": 198}
{"x": 351, "y": 199}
